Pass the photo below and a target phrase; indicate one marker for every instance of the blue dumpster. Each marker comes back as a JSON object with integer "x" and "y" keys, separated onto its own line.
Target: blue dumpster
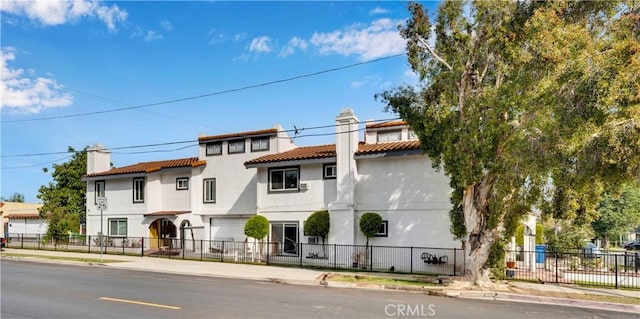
{"x": 540, "y": 250}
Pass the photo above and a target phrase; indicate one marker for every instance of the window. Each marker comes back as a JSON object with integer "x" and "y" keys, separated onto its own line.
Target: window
{"x": 209, "y": 190}
{"x": 413, "y": 135}
{"x": 283, "y": 179}
{"x": 236, "y": 146}
{"x": 284, "y": 238}
{"x": 388, "y": 136}
{"x": 330, "y": 171}
{"x": 118, "y": 227}
{"x": 138, "y": 190}
{"x": 260, "y": 144}
{"x": 213, "y": 148}
{"x": 182, "y": 183}
{"x": 99, "y": 191}
{"x": 384, "y": 229}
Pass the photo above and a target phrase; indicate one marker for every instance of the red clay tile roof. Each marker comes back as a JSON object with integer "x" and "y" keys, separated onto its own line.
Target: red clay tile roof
{"x": 387, "y": 124}
{"x": 24, "y": 216}
{"x": 168, "y": 213}
{"x": 148, "y": 167}
{"x": 364, "y": 149}
{"x": 300, "y": 153}
{"x": 328, "y": 151}
{"x": 271, "y": 131}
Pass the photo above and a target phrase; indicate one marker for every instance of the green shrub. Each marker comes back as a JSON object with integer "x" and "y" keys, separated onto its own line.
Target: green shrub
{"x": 318, "y": 224}
{"x": 257, "y": 227}
{"x": 370, "y": 224}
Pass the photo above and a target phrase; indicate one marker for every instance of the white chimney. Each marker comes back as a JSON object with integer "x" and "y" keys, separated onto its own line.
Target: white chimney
{"x": 98, "y": 159}
{"x": 346, "y": 147}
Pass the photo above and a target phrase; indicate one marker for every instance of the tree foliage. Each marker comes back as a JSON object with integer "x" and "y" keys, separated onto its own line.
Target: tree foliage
{"x": 618, "y": 213}
{"x": 15, "y": 198}
{"x": 64, "y": 198}
{"x": 257, "y": 227}
{"x": 318, "y": 224}
{"x": 370, "y": 224}
{"x": 523, "y": 104}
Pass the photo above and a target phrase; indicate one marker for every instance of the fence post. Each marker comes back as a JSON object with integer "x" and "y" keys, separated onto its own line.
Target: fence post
{"x": 637, "y": 262}
{"x": 268, "y": 252}
{"x": 38, "y": 238}
{"x": 183, "y": 244}
{"x": 556, "y": 254}
{"x": 222, "y": 252}
{"x": 127, "y": 238}
{"x": 21, "y": 241}
{"x": 616, "y": 264}
{"x": 300, "y": 253}
{"x": 335, "y": 256}
{"x": 55, "y": 243}
{"x": 411, "y": 261}
{"x": 142, "y": 247}
{"x": 371, "y": 259}
{"x": 455, "y": 255}
{"x": 201, "y": 251}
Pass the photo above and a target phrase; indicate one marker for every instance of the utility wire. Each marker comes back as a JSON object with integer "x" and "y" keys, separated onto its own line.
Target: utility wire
{"x": 196, "y": 141}
{"x": 35, "y": 165}
{"x": 208, "y": 94}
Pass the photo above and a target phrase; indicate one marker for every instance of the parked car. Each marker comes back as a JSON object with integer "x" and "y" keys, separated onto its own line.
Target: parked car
{"x": 634, "y": 245}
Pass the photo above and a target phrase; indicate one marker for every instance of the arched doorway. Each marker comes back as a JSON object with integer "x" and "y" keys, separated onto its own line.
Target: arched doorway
{"x": 162, "y": 232}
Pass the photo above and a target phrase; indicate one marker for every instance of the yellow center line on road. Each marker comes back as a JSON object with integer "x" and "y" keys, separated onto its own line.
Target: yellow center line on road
{"x": 140, "y": 303}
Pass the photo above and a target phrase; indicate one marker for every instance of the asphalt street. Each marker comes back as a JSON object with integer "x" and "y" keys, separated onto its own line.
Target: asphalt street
{"x": 41, "y": 290}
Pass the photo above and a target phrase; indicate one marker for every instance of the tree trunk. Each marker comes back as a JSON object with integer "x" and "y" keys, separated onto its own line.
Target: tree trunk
{"x": 605, "y": 242}
{"x": 479, "y": 238}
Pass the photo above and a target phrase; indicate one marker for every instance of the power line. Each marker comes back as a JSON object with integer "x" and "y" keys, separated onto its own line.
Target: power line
{"x": 39, "y": 164}
{"x": 207, "y": 94}
{"x": 196, "y": 141}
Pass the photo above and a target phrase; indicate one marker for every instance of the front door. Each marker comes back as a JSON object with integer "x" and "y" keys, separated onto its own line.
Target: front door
{"x": 286, "y": 237}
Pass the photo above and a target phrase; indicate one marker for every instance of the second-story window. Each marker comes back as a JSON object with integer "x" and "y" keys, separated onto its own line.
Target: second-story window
{"x": 214, "y": 148}
{"x": 209, "y": 190}
{"x": 388, "y": 136}
{"x": 281, "y": 179}
{"x": 330, "y": 171}
{"x": 260, "y": 144}
{"x": 138, "y": 190}
{"x": 236, "y": 146}
{"x": 182, "y": 183}
{"x": 99, "y": 191}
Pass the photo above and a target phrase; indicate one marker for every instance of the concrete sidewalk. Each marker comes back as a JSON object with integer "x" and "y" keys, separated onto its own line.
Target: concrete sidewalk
{"x": 519, "y": 291}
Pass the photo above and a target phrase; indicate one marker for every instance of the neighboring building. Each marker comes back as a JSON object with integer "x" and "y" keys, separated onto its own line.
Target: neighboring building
{"x": 236, "y": 176}
{"x": 22, "y": 218}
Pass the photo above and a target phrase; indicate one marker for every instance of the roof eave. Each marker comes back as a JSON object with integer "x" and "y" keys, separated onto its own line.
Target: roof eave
{"x": 383, "y": 154}
{"x": 322, "y": 160}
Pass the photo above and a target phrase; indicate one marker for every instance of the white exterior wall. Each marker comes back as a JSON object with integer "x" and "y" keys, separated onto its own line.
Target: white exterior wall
{"x": 411, "y": 195}
{"x": 319, "y": 194}
{"x": 27, "y": 226}
{"x": 119, "y": 193}
{"x": 172, "y": 198}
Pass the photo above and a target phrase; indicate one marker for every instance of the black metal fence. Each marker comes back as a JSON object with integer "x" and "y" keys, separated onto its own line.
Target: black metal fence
{"x": 412, "y": 260}
{"x": 619, "y": 269}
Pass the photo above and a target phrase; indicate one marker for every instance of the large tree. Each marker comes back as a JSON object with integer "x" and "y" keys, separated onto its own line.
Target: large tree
{"x": 619, "y": 213}
{"x": 64, "y": 198}
{"x": 525, "y": 105}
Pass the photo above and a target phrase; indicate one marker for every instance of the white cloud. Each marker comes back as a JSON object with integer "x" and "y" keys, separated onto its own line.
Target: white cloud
{"x": 166, "y": 25}
{"x": 218, "y": 36}
{"x": 378, "y": 10}
{"x": 22, "y": 92}
{"x": 152, "y": 35}
{"x": 294, "y": 43}
{"x": 56, "y": 12}
{"x": 379, "y": 39}
{"x": 260, "y": 44}
{"x": 371, "y": 80}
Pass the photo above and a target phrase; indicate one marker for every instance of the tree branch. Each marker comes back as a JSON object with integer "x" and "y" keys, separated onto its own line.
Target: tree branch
{"x": 437, "y": 57}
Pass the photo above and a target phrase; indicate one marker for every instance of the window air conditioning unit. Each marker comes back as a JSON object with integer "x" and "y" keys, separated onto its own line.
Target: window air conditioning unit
{"x": 304, "y": 186}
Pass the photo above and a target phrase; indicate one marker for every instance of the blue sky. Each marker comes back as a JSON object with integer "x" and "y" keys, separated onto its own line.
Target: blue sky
{"x": 67, "y": 58}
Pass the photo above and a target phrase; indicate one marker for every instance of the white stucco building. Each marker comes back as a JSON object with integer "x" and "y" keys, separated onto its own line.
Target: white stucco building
{"x": 236, "y": 176}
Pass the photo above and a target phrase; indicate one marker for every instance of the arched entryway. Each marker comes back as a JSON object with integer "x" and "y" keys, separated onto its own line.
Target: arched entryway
{"x": 162, "y": 232}
{"x": 187, "y": 238}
